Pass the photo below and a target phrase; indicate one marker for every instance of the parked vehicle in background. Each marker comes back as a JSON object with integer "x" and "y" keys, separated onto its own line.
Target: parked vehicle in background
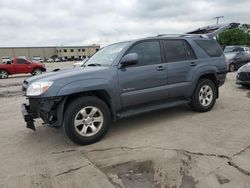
{"x": 243, "y": 76}
{"x": 236, "y": 56}
{"x": 22, "y": 57}
{"x": 50, "y": 60}
{"x": 6, "y": 59}
{"x": 62, "y": 59}
{"x": 236, "y": 48}
{"x": 80, "y": 63}
{"x": 37, "y": 59}
{"x": 126, "y": 79}
{"x": 57, "y": 60}
{"x": 19, "y": 66}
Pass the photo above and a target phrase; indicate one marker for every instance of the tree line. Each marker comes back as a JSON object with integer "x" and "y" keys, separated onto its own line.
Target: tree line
{"x": 239, "y": 36}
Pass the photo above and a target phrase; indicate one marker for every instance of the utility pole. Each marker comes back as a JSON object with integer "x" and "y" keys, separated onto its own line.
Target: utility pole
{"x": 217, "y": 18}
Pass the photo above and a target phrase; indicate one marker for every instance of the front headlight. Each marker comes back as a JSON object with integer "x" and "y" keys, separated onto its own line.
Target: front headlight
{"x": 38, "y": 88}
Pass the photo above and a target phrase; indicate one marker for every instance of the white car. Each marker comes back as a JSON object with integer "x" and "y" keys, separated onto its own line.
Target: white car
{"x": 6, "y": 59}
{"x": 80, "y": 63}
{"x": 50, "y": 60}
{"x": 37, "y": 59}
{"x": 57, "y": 60}
{"x": 22, "y": 57}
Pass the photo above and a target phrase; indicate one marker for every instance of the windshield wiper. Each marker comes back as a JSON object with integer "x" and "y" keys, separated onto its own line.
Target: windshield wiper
{"x": 93, "y": 64}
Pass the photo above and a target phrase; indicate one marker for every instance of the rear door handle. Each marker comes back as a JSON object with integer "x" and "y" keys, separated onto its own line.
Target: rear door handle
{"x": 160, "y": 68}
{"x": 193, "y": 64}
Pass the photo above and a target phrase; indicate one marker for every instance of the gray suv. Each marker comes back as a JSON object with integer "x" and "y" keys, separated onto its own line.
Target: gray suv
{"x": 126, "y": 79}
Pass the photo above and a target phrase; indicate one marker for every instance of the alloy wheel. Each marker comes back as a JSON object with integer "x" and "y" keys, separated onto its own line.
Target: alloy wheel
{"x": 3, "y": 74}
{"x": 88, "y": 121}
{"x": 205, "y": 95}
{"x": 37, "y": 72}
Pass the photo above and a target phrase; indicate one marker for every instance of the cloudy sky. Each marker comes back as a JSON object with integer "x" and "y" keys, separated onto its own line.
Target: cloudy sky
{"x": 82, "y": 22}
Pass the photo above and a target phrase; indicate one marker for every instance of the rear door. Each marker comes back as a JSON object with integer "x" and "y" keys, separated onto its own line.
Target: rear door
{"x": 182, "y": 62}
{"x": 146, "y": 81}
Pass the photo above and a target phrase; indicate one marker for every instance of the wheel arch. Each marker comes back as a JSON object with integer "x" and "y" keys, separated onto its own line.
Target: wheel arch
{"x": 101, "y": 94}
{"x": 5, "y": 70}
{"x": 213, "y": 78}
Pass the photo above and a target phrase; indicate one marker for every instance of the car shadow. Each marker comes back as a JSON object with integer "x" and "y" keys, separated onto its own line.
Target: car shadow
{"x": 150, "y": 118}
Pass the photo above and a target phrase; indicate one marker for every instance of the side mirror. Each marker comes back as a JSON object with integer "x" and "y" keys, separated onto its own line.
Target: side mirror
{"x": 129, "y": 59}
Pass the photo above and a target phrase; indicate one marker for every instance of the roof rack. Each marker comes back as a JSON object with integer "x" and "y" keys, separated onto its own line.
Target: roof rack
{"x": 183, "y": 35}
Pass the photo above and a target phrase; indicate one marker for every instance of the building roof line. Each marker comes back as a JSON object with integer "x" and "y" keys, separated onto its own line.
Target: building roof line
{"x": 88, "y": 46}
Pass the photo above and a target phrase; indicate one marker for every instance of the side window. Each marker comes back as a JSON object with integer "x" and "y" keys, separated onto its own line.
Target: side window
{"x": 21, "y": 61}
{"x": 149, "y": 52}
{"x": 211, "y": 47}
{"x": 175, "y": 50}
{"x": 189, "y": 52}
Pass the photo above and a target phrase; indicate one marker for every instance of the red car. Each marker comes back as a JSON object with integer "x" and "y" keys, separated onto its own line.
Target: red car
{"x": 19, "y": 66}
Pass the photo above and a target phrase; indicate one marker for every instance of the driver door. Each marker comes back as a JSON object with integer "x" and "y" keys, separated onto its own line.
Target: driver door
{"x": 145, "y": 81}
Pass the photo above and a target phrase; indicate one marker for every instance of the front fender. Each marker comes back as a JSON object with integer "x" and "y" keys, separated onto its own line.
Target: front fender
{"x": 85, "y": 85}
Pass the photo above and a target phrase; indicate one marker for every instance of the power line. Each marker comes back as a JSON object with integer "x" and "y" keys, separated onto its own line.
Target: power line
{"x": 217, "y": 18}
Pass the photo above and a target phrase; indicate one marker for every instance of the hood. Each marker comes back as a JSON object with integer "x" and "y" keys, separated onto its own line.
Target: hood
{"x": 213, "y": 30}
{"x": 245, "y": 68}
{"x": 70, "y": 75}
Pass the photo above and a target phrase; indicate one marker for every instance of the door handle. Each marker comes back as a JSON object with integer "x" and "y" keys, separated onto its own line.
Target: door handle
{"x": 193, "y": 64}
{"x": 160, "y": 68}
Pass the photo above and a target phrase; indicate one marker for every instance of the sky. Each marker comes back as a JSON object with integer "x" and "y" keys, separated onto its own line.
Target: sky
{"x": 86, "y": 22}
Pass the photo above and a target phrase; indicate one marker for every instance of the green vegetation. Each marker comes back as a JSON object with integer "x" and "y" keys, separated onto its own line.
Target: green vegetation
{"x": 239, "y": 36}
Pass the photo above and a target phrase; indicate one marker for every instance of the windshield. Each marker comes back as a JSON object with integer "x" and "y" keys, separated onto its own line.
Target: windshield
{"x": 106, "y": 55}
{"x": 230, "y": 55}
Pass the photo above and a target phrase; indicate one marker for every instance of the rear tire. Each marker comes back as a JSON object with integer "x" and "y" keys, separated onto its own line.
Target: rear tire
{"x": 87, "y": 120}
{"x": 204, "y": 96}
{"x": 4, "y": 74}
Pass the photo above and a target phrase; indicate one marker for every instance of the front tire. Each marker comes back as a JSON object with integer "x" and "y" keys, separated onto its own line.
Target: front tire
{"x": 36, "y": 71}
{"x": 232, "y": 67}
{"x": 204, "y": 96}
{"x": 87, "y": 120}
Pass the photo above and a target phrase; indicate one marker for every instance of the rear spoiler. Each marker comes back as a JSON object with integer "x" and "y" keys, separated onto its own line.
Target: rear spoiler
{"x": 214, "y": 30}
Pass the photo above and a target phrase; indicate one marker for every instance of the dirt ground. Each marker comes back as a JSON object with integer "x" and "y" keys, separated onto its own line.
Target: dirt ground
{"x": 169, "y": 148}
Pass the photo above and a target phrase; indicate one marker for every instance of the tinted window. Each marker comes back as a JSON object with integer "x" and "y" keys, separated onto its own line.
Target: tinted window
{"x": 211, "y": 47}
{"x": 178, "y": 50}
{"x": 238, "y": 49}
{"x": 148, "y": 52}
{"x": 175, "y": 50}
{"x": 189, "y": 51}
{"x": 21, "y": 61}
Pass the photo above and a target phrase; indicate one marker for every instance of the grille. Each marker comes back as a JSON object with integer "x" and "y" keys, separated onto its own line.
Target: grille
{"x": 244, "y": 76}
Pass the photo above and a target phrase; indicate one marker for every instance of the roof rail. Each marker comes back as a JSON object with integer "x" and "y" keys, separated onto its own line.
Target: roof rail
{"x": 183, "y": 35}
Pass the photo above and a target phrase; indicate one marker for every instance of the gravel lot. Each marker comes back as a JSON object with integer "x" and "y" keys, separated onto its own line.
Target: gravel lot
{"x": 168, "y": 148}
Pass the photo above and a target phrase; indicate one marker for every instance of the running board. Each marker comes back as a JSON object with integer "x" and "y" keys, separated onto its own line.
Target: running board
{"x": 146, "y": 109}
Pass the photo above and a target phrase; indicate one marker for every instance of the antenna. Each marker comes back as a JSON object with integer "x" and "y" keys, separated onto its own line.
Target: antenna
{"x": 217, "y": 18}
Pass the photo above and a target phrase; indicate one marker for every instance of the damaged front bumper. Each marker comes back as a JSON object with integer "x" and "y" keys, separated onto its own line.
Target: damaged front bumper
{"x": 27, "y": 116}
{"x": 50, "y": 110}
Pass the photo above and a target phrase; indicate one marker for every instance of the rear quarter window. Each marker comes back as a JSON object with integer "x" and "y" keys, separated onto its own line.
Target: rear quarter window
{"x": 211, "y": 47}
